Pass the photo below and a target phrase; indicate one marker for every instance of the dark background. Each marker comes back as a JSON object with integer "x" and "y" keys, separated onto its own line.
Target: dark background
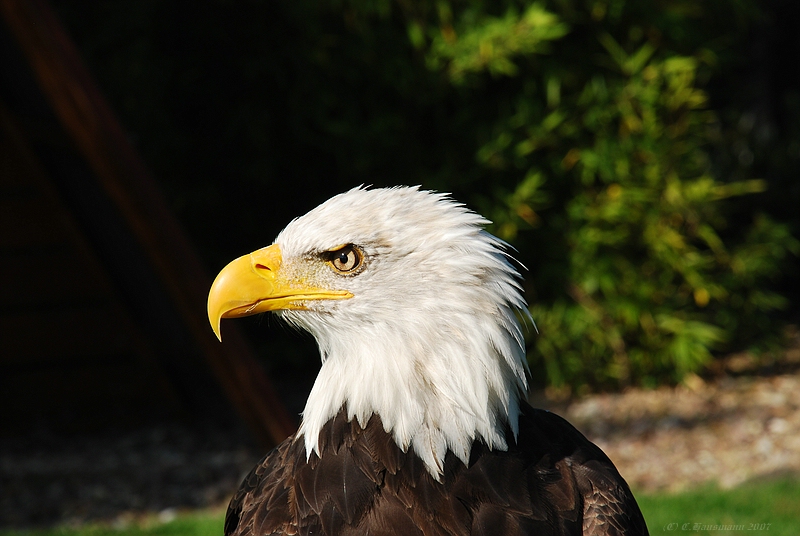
{"x": 251, "y": 113}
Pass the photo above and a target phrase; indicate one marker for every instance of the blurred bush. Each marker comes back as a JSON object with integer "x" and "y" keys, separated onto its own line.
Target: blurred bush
{"x": 610, "y": 144}
{"x": 642, "y": 157}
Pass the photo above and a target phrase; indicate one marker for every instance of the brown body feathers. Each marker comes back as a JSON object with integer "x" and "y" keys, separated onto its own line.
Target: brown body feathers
{"x": 552, "y": 480}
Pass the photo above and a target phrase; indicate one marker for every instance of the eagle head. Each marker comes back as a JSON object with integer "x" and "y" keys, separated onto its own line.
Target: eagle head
{"x": 415, "y": 310}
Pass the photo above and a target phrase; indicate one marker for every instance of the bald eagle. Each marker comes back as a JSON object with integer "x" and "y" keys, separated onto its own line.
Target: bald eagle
{"x": 415, "y": 424}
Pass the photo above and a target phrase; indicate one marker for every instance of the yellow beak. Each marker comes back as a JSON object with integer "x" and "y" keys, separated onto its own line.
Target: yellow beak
{"x": 253, "y": 284}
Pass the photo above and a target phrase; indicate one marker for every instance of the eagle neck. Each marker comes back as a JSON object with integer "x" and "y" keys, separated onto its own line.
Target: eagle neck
{"x": 431, "y": 398}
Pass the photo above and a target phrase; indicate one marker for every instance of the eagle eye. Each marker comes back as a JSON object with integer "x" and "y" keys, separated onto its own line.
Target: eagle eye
{"x": 345, "y": 260}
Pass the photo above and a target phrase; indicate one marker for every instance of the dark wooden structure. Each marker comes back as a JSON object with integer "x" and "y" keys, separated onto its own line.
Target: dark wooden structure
{"x": 102, "y": 298}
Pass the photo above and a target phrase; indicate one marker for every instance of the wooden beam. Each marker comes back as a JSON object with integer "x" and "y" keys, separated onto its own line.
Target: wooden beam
{"x": 89, "y": 120}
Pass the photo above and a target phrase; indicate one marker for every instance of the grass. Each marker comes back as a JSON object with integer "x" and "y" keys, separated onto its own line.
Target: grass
{"x": 200, "y": 523}
{"x": 765, "y": 508}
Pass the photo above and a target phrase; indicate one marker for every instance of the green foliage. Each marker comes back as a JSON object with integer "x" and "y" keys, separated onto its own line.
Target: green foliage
{"x": 489, "y": 43}
{"x": 614, "y": 160}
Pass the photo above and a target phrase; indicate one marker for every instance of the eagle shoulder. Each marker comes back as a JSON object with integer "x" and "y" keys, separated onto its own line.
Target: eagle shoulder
{"x": 551, "y": 481}
{"x": 262, "y": 504}
{"x": 608, "y": 506}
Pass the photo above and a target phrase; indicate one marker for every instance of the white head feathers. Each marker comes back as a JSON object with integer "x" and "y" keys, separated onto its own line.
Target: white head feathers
{"x": 430, "y": 340}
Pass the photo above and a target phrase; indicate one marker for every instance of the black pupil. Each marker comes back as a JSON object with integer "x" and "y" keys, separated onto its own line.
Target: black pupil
{"x": 343, "y": 255}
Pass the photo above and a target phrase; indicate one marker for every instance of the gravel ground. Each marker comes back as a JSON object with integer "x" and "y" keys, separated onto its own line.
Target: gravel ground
{"x": 673, "y": 439}
{"x": 46, "y": 479}
{"x": 743, "y": 425}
